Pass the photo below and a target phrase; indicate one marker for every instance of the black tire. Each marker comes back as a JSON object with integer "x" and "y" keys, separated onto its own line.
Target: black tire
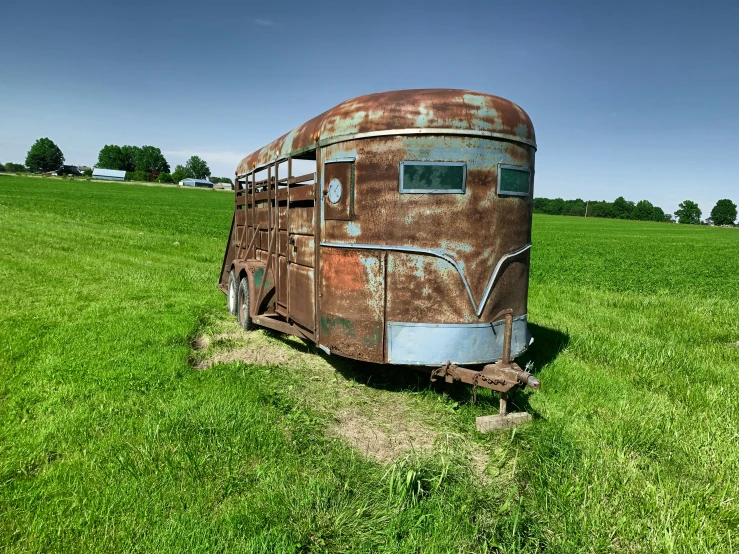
{"x": 232, "y": 296}
{"x": 244, "y": 313}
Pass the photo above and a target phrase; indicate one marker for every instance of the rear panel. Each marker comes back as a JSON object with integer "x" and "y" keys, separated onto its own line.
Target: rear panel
{"x": 441, "y": 241}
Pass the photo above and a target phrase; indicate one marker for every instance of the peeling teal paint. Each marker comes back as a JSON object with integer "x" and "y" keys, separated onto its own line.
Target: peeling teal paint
{"x": 375, "y": 339}
{"x": 328, "y": 324}
{"x": 258, "y": 275}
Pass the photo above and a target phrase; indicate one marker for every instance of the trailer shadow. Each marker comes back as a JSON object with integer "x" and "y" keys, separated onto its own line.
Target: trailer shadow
{"x": 548, "y": 344}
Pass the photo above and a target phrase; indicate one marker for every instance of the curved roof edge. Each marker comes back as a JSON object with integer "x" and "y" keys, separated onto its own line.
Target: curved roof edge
{"x": 402, "y": 112}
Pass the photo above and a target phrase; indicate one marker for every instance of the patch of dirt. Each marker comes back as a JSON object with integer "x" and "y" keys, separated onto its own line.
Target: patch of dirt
{"x": 383, "y": 425}
{"x": 736, "y": 344}
{"x": 383, "y": 441}
{"x": 249, "y": 354}
{"x": 201, "y": 343}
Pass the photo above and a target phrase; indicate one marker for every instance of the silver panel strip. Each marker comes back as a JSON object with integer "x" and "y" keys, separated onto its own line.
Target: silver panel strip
{"x": 452, "y": 261}
{"x": 402, "y": 132}
{"x": 437, "y": 343}
{"x": 339, "y": 160}
{"x": 491, "y": 282}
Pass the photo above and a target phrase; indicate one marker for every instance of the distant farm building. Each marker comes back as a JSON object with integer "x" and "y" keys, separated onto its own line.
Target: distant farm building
{"x": 108, "y": 174}
{"x": 196, "y": 183}
{"x": 69, "y": 170}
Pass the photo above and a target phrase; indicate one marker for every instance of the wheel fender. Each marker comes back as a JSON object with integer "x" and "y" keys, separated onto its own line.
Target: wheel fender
{"x": 254, "y": 272}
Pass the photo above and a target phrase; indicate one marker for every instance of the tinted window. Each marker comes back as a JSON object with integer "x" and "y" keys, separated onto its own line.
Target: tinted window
{"x": 424, "y": 177}
{"x": 514, "y": 181}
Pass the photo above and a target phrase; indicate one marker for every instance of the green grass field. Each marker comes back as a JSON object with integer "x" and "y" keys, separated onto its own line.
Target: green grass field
{"x": 110, "y": 439}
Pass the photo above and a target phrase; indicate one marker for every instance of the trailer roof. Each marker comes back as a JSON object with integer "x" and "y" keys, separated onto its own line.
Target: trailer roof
{"x": 402, "y": 112}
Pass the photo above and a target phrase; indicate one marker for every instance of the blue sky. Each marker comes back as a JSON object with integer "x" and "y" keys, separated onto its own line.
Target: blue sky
{"x": 628, "y": 98}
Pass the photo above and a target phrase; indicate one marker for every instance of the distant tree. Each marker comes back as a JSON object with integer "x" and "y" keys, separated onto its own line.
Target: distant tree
{"x": 643, "y": 211}
{"x": 11, "y": 167}
{"x": 601, "y": 209}
{"x": 130, "y": 153}
{"x": 44, "y": 156}
{"x": 623, "y": 208}
{"x": 139, "y": 176}
{"x": 669, "y": 218}
{"x": 151, "y": 160}
{"x": 111, "y": 157}
{"x": 658, "y": 214}
{"x": 181, "y": 172}
{"x": 724, "y": 212}
{"x": 88, "y": 172}
{"x": 2, "y": 167}
{"x": 164, "y": 177}
{"x": 689, "y": 213}
{"x": 198, "y": 167}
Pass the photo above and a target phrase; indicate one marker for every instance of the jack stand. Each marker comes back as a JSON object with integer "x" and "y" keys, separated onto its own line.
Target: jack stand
{"x": 502, "y": 420}
{"x": 500, "y": 376}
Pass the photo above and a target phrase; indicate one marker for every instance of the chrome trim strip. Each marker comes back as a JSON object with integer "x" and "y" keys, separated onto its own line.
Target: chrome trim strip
{"x": 339, "y": 160}
{"x": 489, "y": 288}
{"x": 414, "y": 249}
{"x": 399, "y": 132}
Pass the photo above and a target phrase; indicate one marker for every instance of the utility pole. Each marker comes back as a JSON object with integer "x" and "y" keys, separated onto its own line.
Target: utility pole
{"x": 586, "y": 207}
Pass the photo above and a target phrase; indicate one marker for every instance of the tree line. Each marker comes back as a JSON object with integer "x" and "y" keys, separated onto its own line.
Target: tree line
{"x": 141, "y": 163}
{"x": 147, "y": 163}
{"x": 723, "y": 213}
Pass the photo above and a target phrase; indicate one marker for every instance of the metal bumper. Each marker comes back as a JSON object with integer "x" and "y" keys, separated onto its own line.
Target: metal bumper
{"x": 435, "y": 344}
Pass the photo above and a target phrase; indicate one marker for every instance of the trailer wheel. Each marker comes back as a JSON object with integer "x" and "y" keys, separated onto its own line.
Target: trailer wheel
{"x": 233, "y": 293}
{"x": 244, "y": 314}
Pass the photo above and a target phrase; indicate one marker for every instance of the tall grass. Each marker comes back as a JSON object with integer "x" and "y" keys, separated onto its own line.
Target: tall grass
{"x": 109, "y": 441}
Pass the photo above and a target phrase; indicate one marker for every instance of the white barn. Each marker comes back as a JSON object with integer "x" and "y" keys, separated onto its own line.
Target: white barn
{"x": 190, "y": 182}
{"x": 108, "y": 174}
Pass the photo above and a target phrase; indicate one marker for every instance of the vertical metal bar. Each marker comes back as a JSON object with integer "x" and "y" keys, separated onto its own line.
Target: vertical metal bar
{"x": 269, "y": 201}
{"x": 287, "y": 254}
{"x": 317, "y": 208}
{"x": 503, "y": 410}
{"x": 277, "y": 231}
{"x": 507, "y": 338}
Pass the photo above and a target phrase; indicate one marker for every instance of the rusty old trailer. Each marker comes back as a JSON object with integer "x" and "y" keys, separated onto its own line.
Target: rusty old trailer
{"x": 406, "y": 241}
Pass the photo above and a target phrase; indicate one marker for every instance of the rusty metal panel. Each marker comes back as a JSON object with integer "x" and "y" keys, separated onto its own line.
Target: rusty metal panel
{"x": 352, "y": 302}
{"x": 264, "y": 240}
{"x": 426, "y": 289}
{"x": 302, "y": 193}
{"x": 240, "y": 217}
{"x": 338, "y": 190}
{"x": 302, "y": 298}
{"x": 262, "y": 255}
{"x": 282, "y": 218}
{"x": 282, "y": 244}
{"x": 249, "y": 236}
{"x": 302, "y": 250}
{"x": 262, "y": 215}
{"x": 301, "y": 221}
{"x": 475, "y": 228}
{"x": 282, "y": 280}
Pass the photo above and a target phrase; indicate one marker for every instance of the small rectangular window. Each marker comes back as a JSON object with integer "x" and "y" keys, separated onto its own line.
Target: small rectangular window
{"x": 433, "y": 177}
{"x": 514, "y": 180}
